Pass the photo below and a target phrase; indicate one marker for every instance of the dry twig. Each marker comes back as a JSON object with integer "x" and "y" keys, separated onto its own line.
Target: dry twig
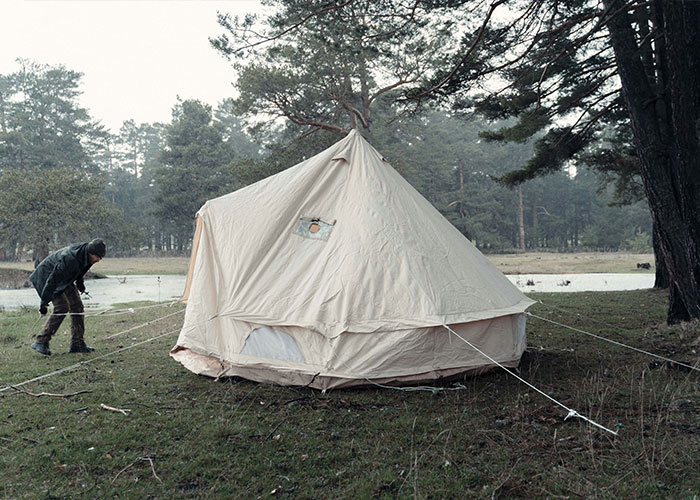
{"x": 143, "y": 459}
{"x": 49, "y": 394}
{"x": 119, "y": 473}
{"x": 153, "y": 469}
{"x": 123, "y": 411}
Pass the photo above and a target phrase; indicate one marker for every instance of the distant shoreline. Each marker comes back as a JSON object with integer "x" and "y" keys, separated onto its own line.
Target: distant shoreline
{"x": 513, "y": 263}
{"x": 17, "y": 278}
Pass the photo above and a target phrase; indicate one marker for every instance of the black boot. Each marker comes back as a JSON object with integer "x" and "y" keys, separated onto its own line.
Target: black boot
{"x": 80, "y": 347}
{"x": 41, "y": 348}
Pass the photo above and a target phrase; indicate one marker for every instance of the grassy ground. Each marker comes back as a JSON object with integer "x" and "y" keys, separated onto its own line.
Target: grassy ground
{"x": 564, "y": 263}
{"x": 188, "y": 436}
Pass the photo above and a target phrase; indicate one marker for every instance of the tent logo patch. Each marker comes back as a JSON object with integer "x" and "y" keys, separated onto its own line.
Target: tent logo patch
{"x": 314, "y": 228}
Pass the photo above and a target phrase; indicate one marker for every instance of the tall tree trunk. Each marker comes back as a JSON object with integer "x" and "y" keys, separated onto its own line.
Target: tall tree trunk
{"x": 19, "y": 251}
{"x": 41, "y": 251}
{"x": 661, "y": 278}
{"x": 669, "y": 167}
{"x": 521, "y": 220}
{"x": 534, "y": 238}
{"x": 364, "y": 92}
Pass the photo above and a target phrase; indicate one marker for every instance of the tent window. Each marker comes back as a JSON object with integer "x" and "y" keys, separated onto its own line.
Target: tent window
{"x": 266, "y": 342}
{"x": 314, "y": 228}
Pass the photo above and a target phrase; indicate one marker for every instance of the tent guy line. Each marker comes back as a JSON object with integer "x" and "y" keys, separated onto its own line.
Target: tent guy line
{"x": 113, "y": 312}
{"x": 82, "y": 363}
{"x": 571, "y": 412}
{"x": 145, "y": 324}
{"x": 61, "y": 370}
{"x": 620, "y": 344}
{"x": 455, "y": 387}
{"x": 587, "y": 318}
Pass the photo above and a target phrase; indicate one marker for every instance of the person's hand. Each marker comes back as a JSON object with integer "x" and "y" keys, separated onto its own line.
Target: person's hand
{"x": 81, "y": 286}
{"x": 43, "y": 309}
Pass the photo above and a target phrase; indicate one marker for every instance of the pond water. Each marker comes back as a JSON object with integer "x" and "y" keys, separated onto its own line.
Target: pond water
{"x": 109, "y": 291}
{"x": 115, "y": 290}
{"x": 592, "y": 282}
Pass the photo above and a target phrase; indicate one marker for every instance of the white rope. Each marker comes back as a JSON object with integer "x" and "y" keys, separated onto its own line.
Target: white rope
{"x": 92, "y": 359}
{"x": 571, "y": 412}
{"x": 144, "y": 324}
{"x": 613, "y": 341}
{"x": 455, "y": 387}
{"x": 113, "y": 312}
{"x": 117, "y": 312}
{"x": 587, "y": 318}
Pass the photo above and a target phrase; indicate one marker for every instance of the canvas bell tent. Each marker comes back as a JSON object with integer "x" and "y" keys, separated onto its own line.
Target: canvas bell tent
{"x": 337, "y": 272}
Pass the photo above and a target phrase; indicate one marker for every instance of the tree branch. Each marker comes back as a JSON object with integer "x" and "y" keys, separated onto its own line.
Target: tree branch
{"x": 357, "y": 113}
{"x": 387, "y": 34}
{"x": 391, "y": 87}
{"x": 589, "y": 124}
{"x": 476, "y": 41}
{"x": 292, "y": 27}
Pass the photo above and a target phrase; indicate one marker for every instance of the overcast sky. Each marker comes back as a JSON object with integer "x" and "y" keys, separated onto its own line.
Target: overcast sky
{"x": 136, "y": 55}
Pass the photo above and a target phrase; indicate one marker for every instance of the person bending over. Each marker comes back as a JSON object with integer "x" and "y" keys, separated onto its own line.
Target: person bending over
{"x": 59, "y": 279}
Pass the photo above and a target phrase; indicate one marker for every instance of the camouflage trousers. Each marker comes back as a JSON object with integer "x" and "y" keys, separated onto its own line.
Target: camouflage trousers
{"x": 67, "y": 302}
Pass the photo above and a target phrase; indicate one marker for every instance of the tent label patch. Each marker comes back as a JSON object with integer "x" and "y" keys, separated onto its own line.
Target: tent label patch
{"x": 314, "y": 228}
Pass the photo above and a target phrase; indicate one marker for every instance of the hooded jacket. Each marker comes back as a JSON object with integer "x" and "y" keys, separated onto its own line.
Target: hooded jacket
{"x": 60, "y": 270}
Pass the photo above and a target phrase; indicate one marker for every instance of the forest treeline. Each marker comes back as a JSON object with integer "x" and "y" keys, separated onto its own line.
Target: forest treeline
{"x": 64, "y": 177}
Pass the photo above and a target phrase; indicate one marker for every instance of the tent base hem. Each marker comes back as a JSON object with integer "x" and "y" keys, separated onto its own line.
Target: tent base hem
{"x": 213, "y": 367}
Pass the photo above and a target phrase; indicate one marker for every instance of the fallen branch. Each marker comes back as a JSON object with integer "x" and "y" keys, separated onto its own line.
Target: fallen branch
{"x": 119, "y": 473}
{"x": 123, "y": 411}
{"x": 143, "y": 459}
{"x": 49, "y": 394}
{"x": 277, "y": 427}
{"x": 153, "y": 469}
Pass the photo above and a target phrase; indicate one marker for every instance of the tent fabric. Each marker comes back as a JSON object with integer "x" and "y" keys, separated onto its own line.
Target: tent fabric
{"x": 341, "y": 251}
{"x": 403, "y": 356}
{"x": 195, "y": 246}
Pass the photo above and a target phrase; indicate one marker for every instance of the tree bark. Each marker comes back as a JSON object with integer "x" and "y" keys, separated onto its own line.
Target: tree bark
{"x": 534, "y": 238}
{"x": 668, "y": 165}
{"x": 521, "y": 220}
{"x": 41, "y": 251}
{"x": 661, "y": 278}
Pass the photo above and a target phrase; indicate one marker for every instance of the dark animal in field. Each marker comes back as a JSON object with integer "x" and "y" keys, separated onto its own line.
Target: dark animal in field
{"x": 643, "y": 265}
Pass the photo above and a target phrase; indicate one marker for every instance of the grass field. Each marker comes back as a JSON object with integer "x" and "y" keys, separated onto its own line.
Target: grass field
{"x": 516, "y": 263}
{"x": 564, "y": 263}
{"x": 187, "y": 436}
{"x": 125, "y": 265}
